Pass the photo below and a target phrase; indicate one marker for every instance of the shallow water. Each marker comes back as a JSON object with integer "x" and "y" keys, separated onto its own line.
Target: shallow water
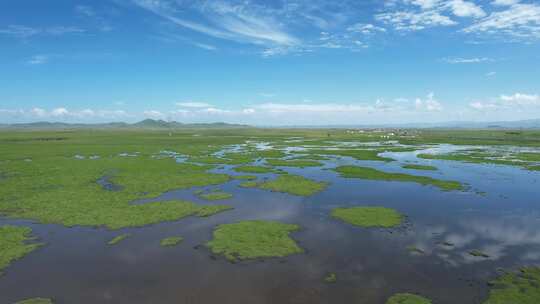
{"x": 499, "y": 214}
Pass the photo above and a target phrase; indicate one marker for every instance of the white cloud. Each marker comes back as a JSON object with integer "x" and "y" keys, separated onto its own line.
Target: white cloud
{"x": 365, "y": 28}
{"x": 521, "y": 99}
{"x": 463, "y": 8}
{"x": 429, "y": 104}
{"x": 458, "y": 60}
{"x": 521, "y": 21}
{"x": 491, "y": 74}
{"x": 154, "y": 114}
{"x": 516, "y": 101}
{"x": 85, "y": 10}
{"x": 414, "y": 21}
{"x": 504, "y": 2}
{"x": 38, "y": 59}
{"x": 60, "y": 112}
{"x": 239, "y": 23}
{"x": 23, "y": 32}
{"x": 193, "y": 104}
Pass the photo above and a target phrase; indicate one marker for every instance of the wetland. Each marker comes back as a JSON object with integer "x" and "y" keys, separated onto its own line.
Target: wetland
{"x": 269, "y": 216}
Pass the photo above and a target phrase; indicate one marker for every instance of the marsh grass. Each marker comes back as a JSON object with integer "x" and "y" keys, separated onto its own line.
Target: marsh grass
{"x": 293, "y": 184}
{"x": 369, "y": 217}
{"x": 214, "y": 196}
{"x": 118, "y": 239}
{"x": 478, "y": 253}
{"x": 419, "y": 167}
{"x": 14, "y": 244}
{"x": 407, "y": 298}
{"x": 330, "y": 278}
{"x": 374, "y": 174}
{"x": 249, "y": 184}
{"x": 36, "y": 301}
{"x": 522, "y": 287}
{"x": 293, "y": 163}
{"x": 210, "y": 210}
{"x": 254, "y": 169}
{"x": 171, "y": 241}
{"x": 254, "y": 239}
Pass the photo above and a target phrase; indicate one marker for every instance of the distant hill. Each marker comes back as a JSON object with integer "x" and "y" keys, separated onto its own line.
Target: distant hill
{"x": 144, "y": 124}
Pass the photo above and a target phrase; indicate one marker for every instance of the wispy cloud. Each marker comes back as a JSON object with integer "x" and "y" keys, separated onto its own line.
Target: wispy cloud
{"x": 515, "y": 101}
{"x": 460, "y": 60}
{"x": 21, "y": 31}
{"x": 38, "y": 59}
{"x": 193, "y": 104}
{"x": 521, "y": 21}
{"x": 230, "y": 22}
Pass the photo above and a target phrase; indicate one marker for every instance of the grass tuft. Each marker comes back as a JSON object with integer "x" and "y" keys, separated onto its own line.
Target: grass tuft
{"x": 369, "y": 216}
{"x": 254, "y": 239}
{"x": 294, "y": 184}
{"x": 374, "y": 174}
{"x": 171, "y": 241}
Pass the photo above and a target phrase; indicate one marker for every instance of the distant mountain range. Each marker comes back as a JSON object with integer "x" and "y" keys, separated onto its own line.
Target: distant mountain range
{"x": 144, "y": 124}
{"x": 153, "y": 124}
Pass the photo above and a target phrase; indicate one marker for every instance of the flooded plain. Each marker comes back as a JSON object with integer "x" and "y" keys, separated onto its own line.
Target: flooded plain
{"x": 498, "y": 214}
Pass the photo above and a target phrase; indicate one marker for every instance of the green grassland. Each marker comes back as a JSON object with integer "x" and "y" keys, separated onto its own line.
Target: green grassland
{"x": 254, "y": 169}
{"x": 292, "y": 163}
{"x": 293, "y": 184}
{"x": 254, "y": 239}
{"x": 214, "y": 196}
{"x": 374, "y": 174}
{"x": 14, "y": 244}
{"x": 419, "y": 167}
{"x": 525, "y": 159}
{"x": 522, "y": 287}
{"x": 407, "y": 298}
{"x": 369, "y": 216}
{"x": 171, "y": 241}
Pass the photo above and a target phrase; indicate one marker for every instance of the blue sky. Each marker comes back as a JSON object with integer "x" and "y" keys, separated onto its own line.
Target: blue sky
{"x": 301, "y": 62}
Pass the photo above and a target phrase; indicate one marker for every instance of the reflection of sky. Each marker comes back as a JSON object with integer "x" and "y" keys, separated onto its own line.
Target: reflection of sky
{"x": 498, "y": 236}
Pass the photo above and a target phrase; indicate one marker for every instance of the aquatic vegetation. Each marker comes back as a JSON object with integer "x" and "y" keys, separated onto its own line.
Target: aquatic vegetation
{"x": 254, "y": 169}
{"x": 478, "y": 253}
{"x": 534, "y": 168}
{"x": 118, "y": 239}
{"x": 330, "y": 278}
{"x": 294, "y": 184}
{"x": 369, "y": 216}
{"x": 14, "y": 244}
{"x": 171, "y": 241}
{"x": 210, "y": 210}
{"x": 293, "y": 163}
{"x": 354, "y": 153}
{"x": 254, "y": 239}
{"x": 407, "y": 298}
{"x": 249, "y": 184}
{"x": 419, "y": 167}
{"x": 310, "y": 157}
{"x": 244, "y": 177}
{"x": 374, "y": 174}
{"x": 36, "y": 301}
{"x": 65, "y": 191}
{"x": 214, "y": 196}
{"x": 522, "y": 287}
{"x": 414, "y": 249}
{"x": 528, "y": 156}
